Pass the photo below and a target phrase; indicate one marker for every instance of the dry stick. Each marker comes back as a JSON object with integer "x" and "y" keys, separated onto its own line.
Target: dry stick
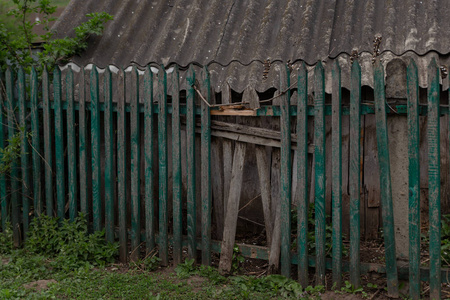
{"x": 249, "y": 202}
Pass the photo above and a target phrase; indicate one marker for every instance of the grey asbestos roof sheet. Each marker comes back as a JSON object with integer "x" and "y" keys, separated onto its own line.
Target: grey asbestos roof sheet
{"x": 234, "y": 37}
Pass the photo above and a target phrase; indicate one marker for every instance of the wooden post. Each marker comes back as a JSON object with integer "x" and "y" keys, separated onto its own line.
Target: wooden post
{"x": 59, "y": 145}
{"x": 414, "y": 180}
{"x": 95, "y": 146}
{"x": 355, "y": 173}
{"x": 385, "y": 180}
{"x": 231, "y": 216}
{"x": 302, "y": 175}
{"x": 135, "y": 157}
{"x": 82, "y": 145}
{"x": 71, "y": 146}
{"x": 3, "y": 197}
{"x": 36, "y": 144}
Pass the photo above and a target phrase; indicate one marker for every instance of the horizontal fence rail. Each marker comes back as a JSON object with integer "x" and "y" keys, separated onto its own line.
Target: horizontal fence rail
{"x": 102, "y": 143}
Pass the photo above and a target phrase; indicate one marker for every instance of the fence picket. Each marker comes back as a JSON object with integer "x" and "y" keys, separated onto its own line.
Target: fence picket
{"x": 336, "y": 165}
{"x": 434, "y": 179}
{"x": 285, "y": 183}
{"x": 3, "y": 197}
{"x": 319, "y": 168}
{"x": 122, "y": 172}
{"x": 47, "y": 143}
{"x": 206, "y": 170}
{"x": 163, "y": 168}
{"x": 149, "y": 153}
{"x": 176, "y": 166}
{"x": 190, "y": 164}
{"x": 302, "y": 175}
{"x": 355, "y": 173}
{"x": 414, "y": 180}
{"x": 71, "y": 146}
{"x": 24, "y": 150}
{"x": 110, "y": 180}
{"x": 14, "y": 199}
{"x": 82, "y": 121}
{"x": 385, "y": 180}
{"x": 59, "y": 145}
{"x": 135, "y": 166}
{"x": 95, "y": 149}
{"x": 36, "y": 144}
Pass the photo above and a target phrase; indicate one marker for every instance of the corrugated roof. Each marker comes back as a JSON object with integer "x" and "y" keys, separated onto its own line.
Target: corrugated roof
{"x": 234, "y": 37}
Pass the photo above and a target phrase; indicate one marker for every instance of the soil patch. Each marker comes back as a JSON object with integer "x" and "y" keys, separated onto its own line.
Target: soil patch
{"x": 39, "y": 285}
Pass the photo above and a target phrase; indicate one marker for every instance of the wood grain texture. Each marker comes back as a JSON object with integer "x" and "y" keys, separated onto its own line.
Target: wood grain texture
{"x": 336, "y": 171}
{"x": 385, "y": 180}
{"x": 149, "y": 154}
{"x": 135, "y": 167}
{"x": 71, "y": 146}
{"x": 319, "y": 168}
{"x": 190, "y": 158}
{"x": 286, "y": 173}
{"x": 354, "y": 173}
{"x": 264, "y": 183}
{"x": 35, "y": 143}
{"x": 83, "y": 167}
{"x": 59, "y": 146}
{"x": 163, "y": 167}
{"x": 414, "y": 180}
{"x": 302, "y": 175}
{"x": 206, "y": 191}
{"x": 434, "y": 179}
{"x": 122, "y": 172}
{"x": 275, "y": 250}
{"x": 110, "y": 179}
{"x": 176, "y": 169}
{"x": 24, "y": 152}
{"x": 231, "y": 216}
{"x": 95, "y": 150}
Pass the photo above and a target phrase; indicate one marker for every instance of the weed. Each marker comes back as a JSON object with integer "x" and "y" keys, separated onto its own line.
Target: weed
{"x": 149, "y": 263}
{"x": 236, "y": 260}
{"x": 6, "y": 239}
{"x": 351, "y": 289}
{"x": 186, "y": 269}
{"x": 71, "y": 245}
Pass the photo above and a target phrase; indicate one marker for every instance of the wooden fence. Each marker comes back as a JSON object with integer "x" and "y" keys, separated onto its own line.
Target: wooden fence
{"x": 90, "y": 160}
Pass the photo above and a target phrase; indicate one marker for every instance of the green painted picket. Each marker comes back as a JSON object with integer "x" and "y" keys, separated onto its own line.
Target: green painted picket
{"x": 90, "y": 161}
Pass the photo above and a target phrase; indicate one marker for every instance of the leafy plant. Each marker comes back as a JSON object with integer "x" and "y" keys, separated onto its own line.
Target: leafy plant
{"x": 349, "y": 288}
{"x": 17, "y": 48}
{"x": 148, "y": 263}
{"x": 6, "y": 239}
{"x": 71, "y": 245}
{"x": 237, "y": 259}
{"x": 186, "y": 269}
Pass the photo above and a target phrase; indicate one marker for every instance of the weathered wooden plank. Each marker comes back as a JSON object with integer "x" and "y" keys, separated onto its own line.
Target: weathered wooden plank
{"x": 385, "y": 180}
{"x": 302, "y": 175}
{"x": 3, "y": 197}
{"x": 190, "y": 166}
{"x": 110, "y": 179}
{"x": 176, "y": 167}
{"x": 149, "y": 153}
{"x": 264, "y": 183}
{"x": 355, "y": 173}
{"x": 122, "y": 172}
{"x": 95, "y": 149}
{"x": 229, "y": 233}
{"x": 319, "y": 168}
{"x": 163, "y": 168}
{"x": 14, "y": 199}
{"x": 59, "y": 146}
{"x": 206, "y": 171}
{"x": 135, "y": 166}
{"x": 24, "y": 150}
{"x": 285, "y": 188}
{"x": 84, "y": 207}
{"x": 36, "y": 144}
{"x": 336, "y": 176}
{"x": 47, "y": 143}
{"x": 71, "y": 146}
{"x": 217, "y": 184}
{"x": 414, "y": 180}
{"x": 434, "y": 179}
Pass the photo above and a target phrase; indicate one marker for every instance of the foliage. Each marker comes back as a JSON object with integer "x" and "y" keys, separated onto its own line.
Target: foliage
{"x": 10, "y": 153}
{"x": 17, "y": 46}
{"x": 445, "y": 240}
{"x": 186, "y": 269}
{"x": 236, "y": 260}
{"x": 349, "y": 288}
{"x": 311, "y": 237}
{"x": 149, "y": 263}
{"x": 70, "y": 244}
{"x": 6, "y": 239}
